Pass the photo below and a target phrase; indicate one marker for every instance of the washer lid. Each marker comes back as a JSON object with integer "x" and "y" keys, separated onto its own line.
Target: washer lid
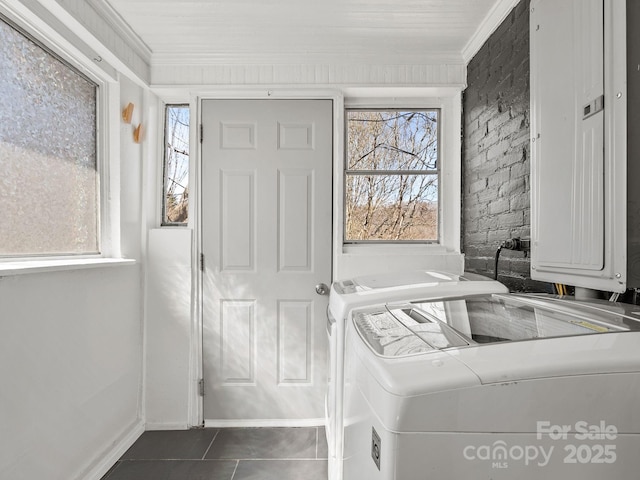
{"x": 402, "y": 331}
{"x": 397, "y": 330}
{"x": 498, "y": 318}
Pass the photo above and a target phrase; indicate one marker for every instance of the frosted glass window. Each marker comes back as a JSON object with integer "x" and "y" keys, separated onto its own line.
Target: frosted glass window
{"x": 48, "y": 165}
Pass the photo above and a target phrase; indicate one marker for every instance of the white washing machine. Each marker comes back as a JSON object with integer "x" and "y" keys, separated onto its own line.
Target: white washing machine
{"x": 372, "y": 289}
{"x": 492, "y": 386}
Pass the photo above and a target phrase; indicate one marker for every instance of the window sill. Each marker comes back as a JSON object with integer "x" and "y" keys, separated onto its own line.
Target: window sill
{"x": 21, "y": 267}
{"x": 394, "y": 249}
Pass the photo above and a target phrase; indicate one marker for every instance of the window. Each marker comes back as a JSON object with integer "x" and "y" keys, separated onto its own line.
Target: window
{"x": 391, "y": 175}
{"x": 176, "y": 166}
{"x": 49, "y": 180}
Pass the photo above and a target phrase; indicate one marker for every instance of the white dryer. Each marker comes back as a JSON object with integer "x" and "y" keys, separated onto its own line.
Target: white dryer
{"x": 497, "y": 386}
{"x": 373, "y": 289}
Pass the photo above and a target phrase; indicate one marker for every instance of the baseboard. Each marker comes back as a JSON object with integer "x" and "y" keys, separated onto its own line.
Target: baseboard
{"x": 167, "y": 426}
{"x": 111, "y": 456}
{"x": 284, "y": 422}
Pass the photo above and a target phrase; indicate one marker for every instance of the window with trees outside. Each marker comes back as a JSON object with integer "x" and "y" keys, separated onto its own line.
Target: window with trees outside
{"x": 391, "y": 176}
{"x": 49, "y": 178}
{"x": 175, "y": 203}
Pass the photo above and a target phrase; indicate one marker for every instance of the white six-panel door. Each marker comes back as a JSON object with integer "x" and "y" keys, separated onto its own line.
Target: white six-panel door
{"x": 266, "y": 240}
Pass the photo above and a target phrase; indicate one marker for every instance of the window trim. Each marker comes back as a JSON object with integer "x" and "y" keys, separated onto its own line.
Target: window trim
{"x": 163, "y": 203}
{"x": 392, "y": 107}
{"x": 99, "y": 72}
{"x": 354, "y": 260}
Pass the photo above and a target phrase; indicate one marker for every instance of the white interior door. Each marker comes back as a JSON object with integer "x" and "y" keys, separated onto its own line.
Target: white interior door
{"x": 266, "y": 240}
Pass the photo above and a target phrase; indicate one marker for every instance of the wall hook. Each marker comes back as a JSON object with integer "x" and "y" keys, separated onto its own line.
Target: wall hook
{"x": 127, "y": 113}
{"x": 137, "y": 134}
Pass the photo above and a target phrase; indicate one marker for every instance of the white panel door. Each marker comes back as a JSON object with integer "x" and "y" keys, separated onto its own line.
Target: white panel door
{"x": 266, "y": 240}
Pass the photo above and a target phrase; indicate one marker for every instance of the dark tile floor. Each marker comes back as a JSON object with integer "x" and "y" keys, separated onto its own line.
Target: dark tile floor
{"x": 226, "y": 454}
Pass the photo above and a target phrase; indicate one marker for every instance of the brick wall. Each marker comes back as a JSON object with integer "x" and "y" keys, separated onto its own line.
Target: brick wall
{"x": 495, "y": 181}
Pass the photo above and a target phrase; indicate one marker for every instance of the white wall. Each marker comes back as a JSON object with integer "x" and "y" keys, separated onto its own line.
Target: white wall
{"x": 71, "y": 339}
{"x": 132, "y": 170}
{"x": 168, "y": 329}
{"x": 71, "y": 354}
{"x": 70, "y": 370}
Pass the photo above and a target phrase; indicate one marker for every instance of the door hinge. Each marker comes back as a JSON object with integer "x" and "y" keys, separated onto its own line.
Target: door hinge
{"x": 202, "y": 262}
{"x": 201, "y": 133}
{"x": 201, "y": 387}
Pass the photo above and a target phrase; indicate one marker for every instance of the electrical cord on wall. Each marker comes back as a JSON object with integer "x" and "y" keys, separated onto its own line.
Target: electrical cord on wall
{"x": 495, "y": 269}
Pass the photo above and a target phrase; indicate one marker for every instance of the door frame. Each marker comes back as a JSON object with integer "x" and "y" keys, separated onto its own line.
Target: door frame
{"x": 196, "y": 371}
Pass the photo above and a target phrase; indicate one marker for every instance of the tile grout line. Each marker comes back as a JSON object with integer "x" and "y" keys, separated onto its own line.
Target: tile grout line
{"x": 267, "y": 459}
{"x": 210, "y": 445}
{"x": 235, "y": 469}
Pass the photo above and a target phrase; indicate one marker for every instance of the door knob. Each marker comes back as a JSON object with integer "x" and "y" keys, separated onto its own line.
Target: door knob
{"x": 322, "y": 289}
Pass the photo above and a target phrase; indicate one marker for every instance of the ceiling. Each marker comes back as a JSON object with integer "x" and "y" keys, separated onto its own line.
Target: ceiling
{"x": 385, "y": 31}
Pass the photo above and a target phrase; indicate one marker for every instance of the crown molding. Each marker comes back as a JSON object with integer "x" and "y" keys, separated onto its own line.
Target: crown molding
{"x": 36, "y": 21}
{"x": 104, "y": 9}
{"x": 500, "y": 10}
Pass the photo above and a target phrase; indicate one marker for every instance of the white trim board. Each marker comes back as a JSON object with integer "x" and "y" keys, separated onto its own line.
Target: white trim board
{"x": 494, "y": 18}
{"x": 157, "y": 426}
{"x": 109, "y": 459}
{"x": 315, "y": 75}
{"x": 122, "y": 28}
{"x": 307, "y": 422}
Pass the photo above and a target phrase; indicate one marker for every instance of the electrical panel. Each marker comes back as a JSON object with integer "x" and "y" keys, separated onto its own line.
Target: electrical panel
{"x": 578, "y": 149}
